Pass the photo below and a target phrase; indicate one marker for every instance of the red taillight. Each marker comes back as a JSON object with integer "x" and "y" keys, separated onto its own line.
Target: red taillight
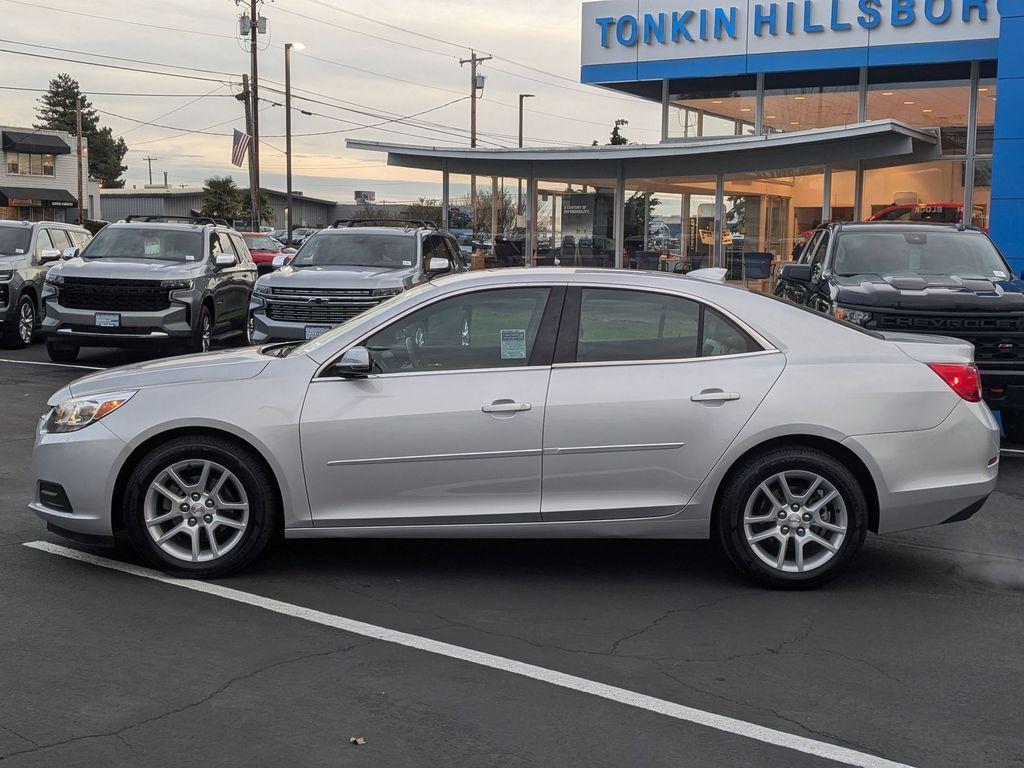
{"x": 962, "y": 378}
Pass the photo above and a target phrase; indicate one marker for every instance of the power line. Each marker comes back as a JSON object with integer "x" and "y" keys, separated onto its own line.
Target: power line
{"x": 120, "y": 21}
{"x": 117, "y": 58}
{"x": 121, "y": 93}
{"x": 110, "y": 66}
{"x": 176, "y": 109}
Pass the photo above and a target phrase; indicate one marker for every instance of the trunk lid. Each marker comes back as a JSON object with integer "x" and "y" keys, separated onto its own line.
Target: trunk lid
{"x": 932, "y": 349}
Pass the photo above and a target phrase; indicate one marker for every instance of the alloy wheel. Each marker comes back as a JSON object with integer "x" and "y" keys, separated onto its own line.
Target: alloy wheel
{"x": 196, "y": 510}
{"x": 795, "y": 521}
{"x": 26, "y": 322}
{"x": 207, "y": 334}
{"x": 250, "y": 327}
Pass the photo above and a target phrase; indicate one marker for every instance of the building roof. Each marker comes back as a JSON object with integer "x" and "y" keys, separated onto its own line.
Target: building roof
{"x": 34, "y": 142}
{"x": 180, "y": 191}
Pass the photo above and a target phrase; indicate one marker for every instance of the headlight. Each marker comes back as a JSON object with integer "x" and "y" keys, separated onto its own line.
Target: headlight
{"x": 79, "y": 412}
{"x": 53, "y": 279}
{"x": 6, "y": 274}
{"x": 178, "y": 285}
{"x": 387, "y": 291}
{"x": 855, "y": 316}
{"x": 264, "y": 289}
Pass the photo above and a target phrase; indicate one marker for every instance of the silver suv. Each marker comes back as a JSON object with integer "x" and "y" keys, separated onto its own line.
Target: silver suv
{"x": 150, "y": 280}
{"x": 343, "y": 271}
{"x": 27, "y": 249}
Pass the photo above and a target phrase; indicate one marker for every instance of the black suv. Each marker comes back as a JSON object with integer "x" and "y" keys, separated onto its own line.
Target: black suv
{"x": 150, "y": 280}
{"x": 945, "y": 280}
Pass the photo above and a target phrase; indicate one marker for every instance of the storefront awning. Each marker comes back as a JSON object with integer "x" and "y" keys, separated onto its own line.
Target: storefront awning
{"x": 59, "y": 198}
{"x": 34, "y": 143}
{"x": 874, "y": 144}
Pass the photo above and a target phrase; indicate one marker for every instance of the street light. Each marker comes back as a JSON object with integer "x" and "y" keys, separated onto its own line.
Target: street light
{"x": 288, "y": 131}
{"x": 522, "y": 97}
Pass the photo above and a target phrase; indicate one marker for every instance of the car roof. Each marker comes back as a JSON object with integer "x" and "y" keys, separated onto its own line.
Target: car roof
{"x": 859, "y": 226}
{"x": 402, "y": 231}
{"x": 29, "y": 224}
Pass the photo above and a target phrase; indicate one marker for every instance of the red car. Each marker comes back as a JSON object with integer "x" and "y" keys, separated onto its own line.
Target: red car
{"x": 263, "y": 249}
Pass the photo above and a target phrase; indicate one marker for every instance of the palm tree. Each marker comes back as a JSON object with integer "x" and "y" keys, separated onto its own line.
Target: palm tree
{"x": 221, "y": 198}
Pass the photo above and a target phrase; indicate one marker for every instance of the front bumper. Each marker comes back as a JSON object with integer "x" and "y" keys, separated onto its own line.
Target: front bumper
{"x": 266, "y": 330}
{"x": 81, "y": 463}
{"x": 78, "y": 326}
{"x": 933, "y": 476}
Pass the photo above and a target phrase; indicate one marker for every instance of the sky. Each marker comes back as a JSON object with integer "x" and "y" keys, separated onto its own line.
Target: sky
{"x": 374, "y": 64}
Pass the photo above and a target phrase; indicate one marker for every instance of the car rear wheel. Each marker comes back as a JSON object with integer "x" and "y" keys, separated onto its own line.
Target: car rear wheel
{"x": 202, "y": 334}
{"x": 18, "y": 333}
{"x": 62, "y": 353}
{"x": 792, "y": 517}
{"x": 1013, "y": 425}
{"x": 200, "y": 506}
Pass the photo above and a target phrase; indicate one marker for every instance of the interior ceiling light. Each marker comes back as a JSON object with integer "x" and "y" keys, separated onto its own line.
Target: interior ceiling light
{"x": 887, "y": 93}
{"x": 770, "y": 117}
{"x": 927, "y": 110}
{"x": 799, "y": 98}
{"x": 794, "y": 122}
{"x": 716, "y": 101}
{"x": 744, "y": 109}
{"x": 909, "y": 103}
{"x": 983, "y": 90}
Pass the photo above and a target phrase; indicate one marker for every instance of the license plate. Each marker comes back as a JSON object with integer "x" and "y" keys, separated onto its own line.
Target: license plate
{"x": 312, "y": 331}
{"x": 108, "y": 320}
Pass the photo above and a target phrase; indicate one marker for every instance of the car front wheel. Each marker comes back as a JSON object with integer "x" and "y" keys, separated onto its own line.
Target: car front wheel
{"x": 792, "y": 517}
{"x": 200, "y": 506}
{"x": 62, "y": 353}
{"x": 18, "y": 333}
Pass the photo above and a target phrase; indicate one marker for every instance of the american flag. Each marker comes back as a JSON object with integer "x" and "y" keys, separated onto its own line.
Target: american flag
{"x": 239, "y": 146}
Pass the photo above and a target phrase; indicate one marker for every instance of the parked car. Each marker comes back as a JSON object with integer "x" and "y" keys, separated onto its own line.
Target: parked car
{"x": 263, "y": 249}
{"x": 939, "y": 213}
{"x": 923, "y": 278}
{"x": 27, "y": 249}
{"x": 146, "y": 281}
{"x": 532, "y": 403}
{"x": 299, "y": 236}
{"x": 343, "y": 271}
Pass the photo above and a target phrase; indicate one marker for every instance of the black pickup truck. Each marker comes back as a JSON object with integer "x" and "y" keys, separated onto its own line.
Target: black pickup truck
{"x": 945, "y": 280}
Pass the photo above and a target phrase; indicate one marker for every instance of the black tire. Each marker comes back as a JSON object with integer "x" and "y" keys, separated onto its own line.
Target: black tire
{"x": 24, "y": 312}
{"x": 202, "y": 333}
{"x": 62, "y": 353}
{"x": 1013, "y": 425}
{"x": 763, "y": 466}
{"x": 264, "y": 512}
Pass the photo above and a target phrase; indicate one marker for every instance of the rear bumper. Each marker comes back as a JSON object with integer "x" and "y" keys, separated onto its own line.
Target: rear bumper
{"x": 1003, "y": 389}
{"x": 933, "y": 476}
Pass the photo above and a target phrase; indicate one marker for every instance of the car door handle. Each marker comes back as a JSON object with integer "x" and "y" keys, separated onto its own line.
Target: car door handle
{"x": 715, "y": 396}
{"x": 506, "y": 406}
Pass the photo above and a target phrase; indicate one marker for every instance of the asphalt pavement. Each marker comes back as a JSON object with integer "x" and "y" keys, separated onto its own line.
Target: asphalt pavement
{"x": 915, "y": 655}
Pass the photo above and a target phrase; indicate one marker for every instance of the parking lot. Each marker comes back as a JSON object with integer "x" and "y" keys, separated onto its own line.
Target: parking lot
{"x": 913, "y": 657}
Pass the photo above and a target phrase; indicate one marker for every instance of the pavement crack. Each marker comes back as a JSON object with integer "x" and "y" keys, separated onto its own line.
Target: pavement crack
{"x": 866, "y": 663}
{"x": 21, "y": 736}
{"x": 667, "y": 614}
{"x": 119, "y": 734}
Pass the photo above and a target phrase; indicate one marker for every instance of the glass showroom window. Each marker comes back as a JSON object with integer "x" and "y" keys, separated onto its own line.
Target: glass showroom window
{"x": 982, "y": 192}
{"x": 986, "y": 116}
{"x": 722, "y": 113}
{"x": 791, "y": 107}
{"x": 944, "y": 105}
{"x": 921, "y": 192}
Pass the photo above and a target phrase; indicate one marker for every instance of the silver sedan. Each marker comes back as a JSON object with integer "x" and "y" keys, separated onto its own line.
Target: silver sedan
{"x": 532, "y": 403}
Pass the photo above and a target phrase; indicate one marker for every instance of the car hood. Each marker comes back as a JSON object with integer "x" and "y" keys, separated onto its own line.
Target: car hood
{"x": 929, "y": 292}
{"x": 127, "y": 269}
{"x": 228, "y": 365}
{"x": 338, "y": 277}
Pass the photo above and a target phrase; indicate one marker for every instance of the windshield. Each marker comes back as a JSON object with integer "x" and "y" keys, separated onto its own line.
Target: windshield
{"x": 916, "y": 252}
{"x": 358, "y": 250}
{"x": 14, "y": 241}
{"x": 144, "y": 243}
{"x": 260, "y": 243}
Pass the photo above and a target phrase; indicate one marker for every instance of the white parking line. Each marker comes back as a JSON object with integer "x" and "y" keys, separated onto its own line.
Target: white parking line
{"x": 54, "y": 365}
{"x": 1011, "y": 451}
{"x": 610, "y": 692}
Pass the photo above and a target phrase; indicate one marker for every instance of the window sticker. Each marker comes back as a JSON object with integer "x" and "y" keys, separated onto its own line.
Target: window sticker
{"x": 999, "y": 273}
{"x": 18, "y": 251}
{"x": 152, "y": 248}
{"x": 406, "y": 263}
{"x": 513, "y": 344}
{"x": 189, "y": 257}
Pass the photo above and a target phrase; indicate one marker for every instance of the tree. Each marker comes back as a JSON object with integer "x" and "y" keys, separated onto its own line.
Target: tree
{"x": 266, "y": 211}
{"x": 222, "y": 198}
{"x": 56, "y": 112}
{"x": 617, "y": 139}
{"x": 635, "y": 213}
{"x": 426, "y": 209}
{"x": 373, "y": 212}
{"x": 506, "y": 211}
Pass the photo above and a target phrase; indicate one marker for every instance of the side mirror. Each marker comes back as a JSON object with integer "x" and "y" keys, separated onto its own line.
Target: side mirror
{"x": 354, "y": 364}
{"x": 49, "y": 254}
{"x": 280, "y": 260}
{"x": 289, "y": 251}
{"x": 225, "y": 260}
{"x": 69, "y": 253}
{"x": 800, "y": 273}
{"x": 437, "y": 265}
{"x": 678, "y": 268}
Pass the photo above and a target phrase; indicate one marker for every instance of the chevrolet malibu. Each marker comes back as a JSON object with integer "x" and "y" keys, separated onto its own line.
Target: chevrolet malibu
{"x": 535, "y": 403}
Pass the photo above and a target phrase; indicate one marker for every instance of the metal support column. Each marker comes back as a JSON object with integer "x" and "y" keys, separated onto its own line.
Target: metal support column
{"x": 531, "y": 219}
{"x": 664, "y": 109}
{"x": 619, "y": 224}
{"x": 647, "y": 221}
{"x": 858, "y": 193}
{"x": 972, "y": 144}
{"x": 445, "y": 194}
{"x": 494, "y": 211}
{"x": 684, "y": 227}
{"x": 759, "y": 106}
{"x": 826, "y": 196}
{"x": 718, "y": 255}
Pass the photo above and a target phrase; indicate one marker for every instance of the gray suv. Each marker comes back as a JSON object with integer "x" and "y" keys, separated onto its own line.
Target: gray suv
{"x": 27, "y": 249}
{"x": 343, "y": 271}
{"x": 147, "y": 281}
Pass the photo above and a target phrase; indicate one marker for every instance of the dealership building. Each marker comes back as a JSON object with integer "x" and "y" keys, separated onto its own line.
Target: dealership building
{"x": 775, "y": 117}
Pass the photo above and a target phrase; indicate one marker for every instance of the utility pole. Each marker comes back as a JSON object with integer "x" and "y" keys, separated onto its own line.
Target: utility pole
{"x": 150, "y": 161}
{"x": 254, "y": 190}
{"x": 166, "y": 185}
{"x": 254, "y": 148}
{"x": 476, "y": 84}
{"x": 78, "y": 132}
{"x": 288, "y": 132}
{"x": 522, "y": 97}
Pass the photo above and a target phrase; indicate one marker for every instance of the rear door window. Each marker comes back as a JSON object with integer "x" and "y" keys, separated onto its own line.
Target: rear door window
{"x": 60, "y": 239}
{"x": 43, "y": 243}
